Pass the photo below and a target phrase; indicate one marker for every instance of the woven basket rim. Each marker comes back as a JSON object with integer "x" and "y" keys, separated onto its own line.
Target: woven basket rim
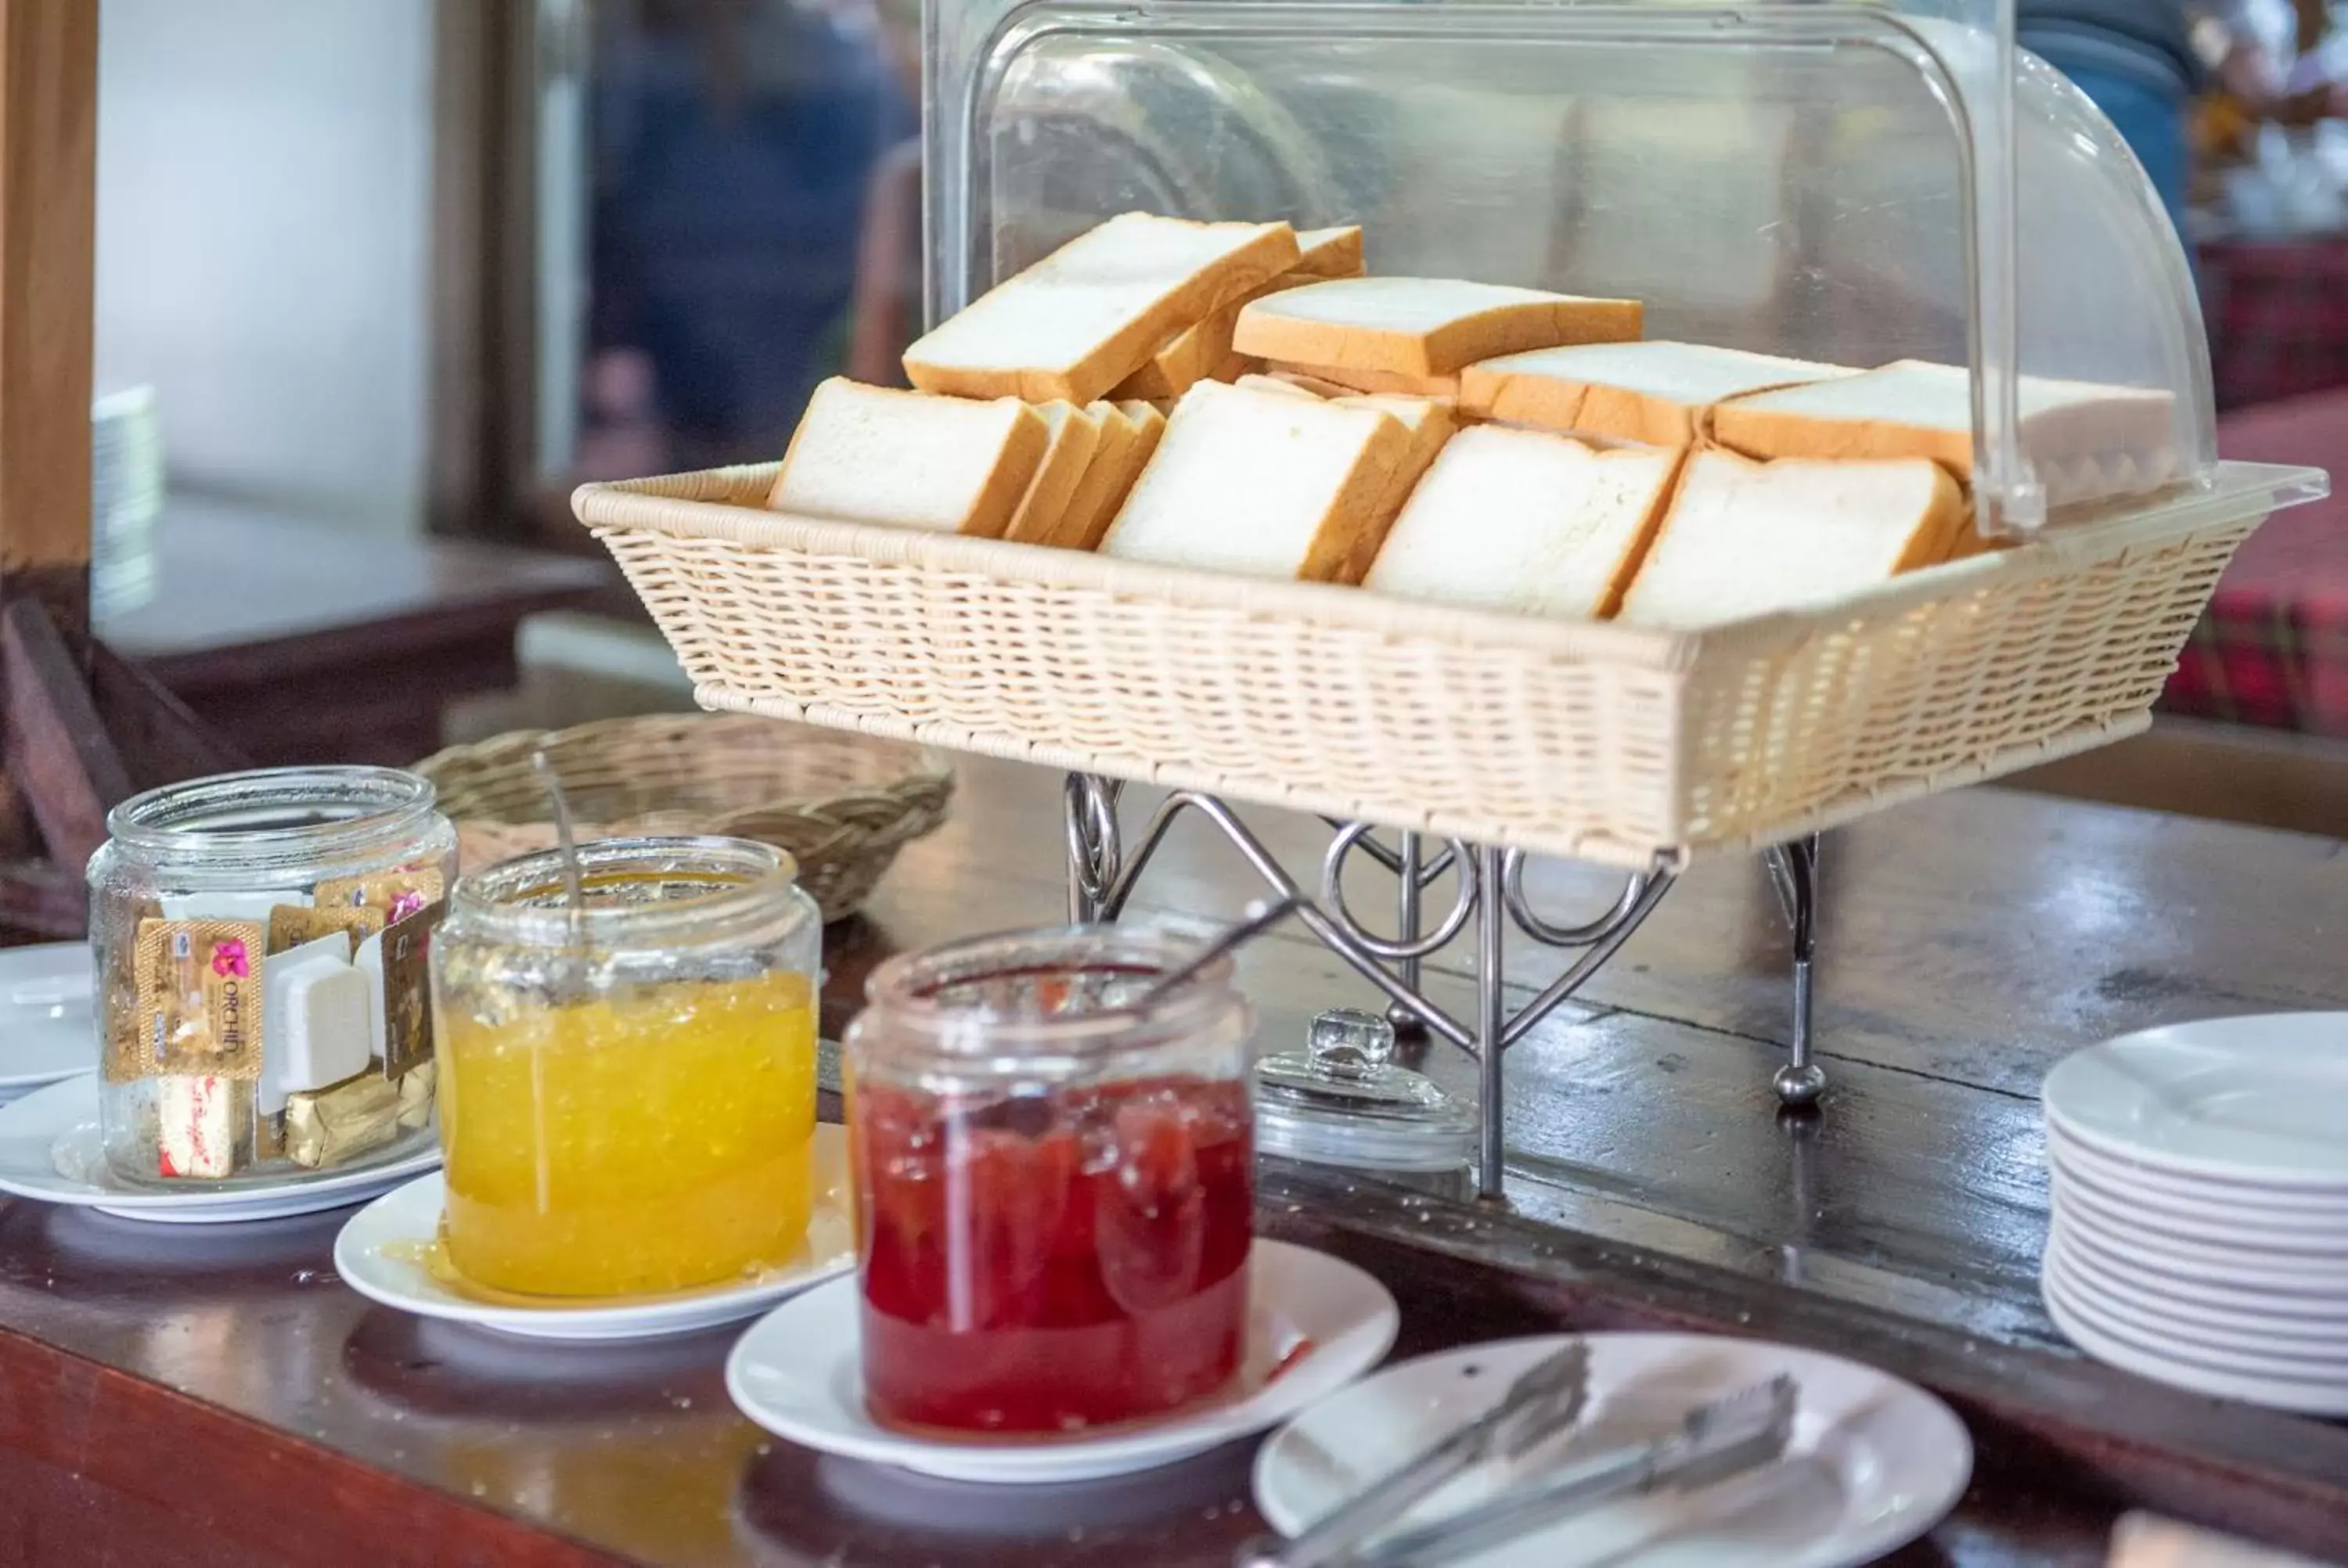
{"x": 923, "y": 770}
{"x": 668, "y": 504}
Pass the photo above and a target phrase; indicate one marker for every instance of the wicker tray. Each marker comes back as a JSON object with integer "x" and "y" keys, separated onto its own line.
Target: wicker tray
{"x": 841, "y": 805}
{"x": 1604, "y": 742}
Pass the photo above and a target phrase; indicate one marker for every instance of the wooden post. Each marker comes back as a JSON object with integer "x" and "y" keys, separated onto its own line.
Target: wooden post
{"x": 48, "y": 219}
{"x": 48, "y": 212}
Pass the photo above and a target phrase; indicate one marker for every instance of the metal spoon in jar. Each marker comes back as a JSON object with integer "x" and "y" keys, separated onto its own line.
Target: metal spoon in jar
{"x": 1255, "y": 920}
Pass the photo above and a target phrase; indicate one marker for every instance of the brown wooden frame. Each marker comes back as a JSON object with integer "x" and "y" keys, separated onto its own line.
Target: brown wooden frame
{"x": 79, "y": 729}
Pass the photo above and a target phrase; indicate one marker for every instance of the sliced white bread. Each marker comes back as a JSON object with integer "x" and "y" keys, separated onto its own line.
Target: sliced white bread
{"x": 2086, "y": 439}
{"x": 1281, "y": 384}
{"x": 1105, "y": 491}
{"x": 1328, "y": 253}
{"x": 1087, "y": 316}
{"x": 1430, "y": 423}
{"x": 1742, "y": 539}
{"x": 1337, "y": 380}
{"x": 1421, "y": 326}
{"x": 1263, "y": 484}
{"x": 1526, "y": 521}
{"x": 1655, "y": 391}
{"x": 1318, "y": 385}
{"x": 876, "y": 454}
{"x": 1076, "y": 436}
{"x": 1096, "y": 493}
{"x": 1202, "y": 351}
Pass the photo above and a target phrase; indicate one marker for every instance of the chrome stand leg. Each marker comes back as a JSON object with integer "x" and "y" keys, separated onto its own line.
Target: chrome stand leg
{"x": 1795, "y": 866}
{"x": 1407, "y": 1025}
{"x": 1095, "y": 856}
{"x": 1491, "y": 1021}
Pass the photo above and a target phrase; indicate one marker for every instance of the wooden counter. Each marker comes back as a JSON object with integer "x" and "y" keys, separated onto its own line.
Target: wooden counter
{"x": 206, "y": 1397}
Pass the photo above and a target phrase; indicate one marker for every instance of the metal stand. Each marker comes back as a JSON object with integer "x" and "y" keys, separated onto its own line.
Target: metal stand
{"x": 1102, "y": 874}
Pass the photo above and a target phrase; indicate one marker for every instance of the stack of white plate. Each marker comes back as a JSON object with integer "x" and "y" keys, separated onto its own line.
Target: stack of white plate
{"x": 2200, "y": 1207}
{"x": 46, "y": 1031}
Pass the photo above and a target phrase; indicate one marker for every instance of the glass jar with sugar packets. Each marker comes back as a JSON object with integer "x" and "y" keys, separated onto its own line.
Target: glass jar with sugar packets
{"x": 628, "y": 1073}
{"x": 1345, "y": 1102}
{"x": 261, "y": 941}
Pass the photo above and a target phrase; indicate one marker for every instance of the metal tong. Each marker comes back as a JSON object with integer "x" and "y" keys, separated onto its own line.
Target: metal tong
{"x": 1545, "y": 1400}
{"x": 1724, "y": 1438}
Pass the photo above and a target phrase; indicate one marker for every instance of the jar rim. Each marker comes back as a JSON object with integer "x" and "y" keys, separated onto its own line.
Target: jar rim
{"x": 387, "y": 804}
{"x": 501, "y": 900}
{"x": 900, "y": 986}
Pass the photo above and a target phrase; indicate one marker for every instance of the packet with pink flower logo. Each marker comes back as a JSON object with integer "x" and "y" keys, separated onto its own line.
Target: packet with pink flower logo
{"x": 199, "y": 998}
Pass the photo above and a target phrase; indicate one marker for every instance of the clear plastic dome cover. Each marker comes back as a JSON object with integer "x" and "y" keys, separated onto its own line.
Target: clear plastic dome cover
{"x": 1857, "y": 183}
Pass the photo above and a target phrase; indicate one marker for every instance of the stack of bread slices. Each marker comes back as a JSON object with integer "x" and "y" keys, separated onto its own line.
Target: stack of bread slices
{"x": 1240, "y": 398}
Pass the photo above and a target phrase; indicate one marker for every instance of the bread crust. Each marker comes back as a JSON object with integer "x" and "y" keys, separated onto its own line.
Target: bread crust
{"x": 1500, "y": 328}
{"x": 1226, "y": 280}
{"x": 1014, "y": 468}
{"x": 1077, "y": 438}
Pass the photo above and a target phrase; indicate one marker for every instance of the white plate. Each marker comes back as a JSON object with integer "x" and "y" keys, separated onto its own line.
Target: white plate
{"x": 2165, "y": 1365}
{"x": 2245, "y": 1233}
{"x": 2321, "y": 1343}
{"x": 51, "y": 1152}
{"x": 2278, "y": 1209}
{"x": 376, "y": 1257}
{"x": 1874, "y": 1462}
{"x": 795, "y": 1374}
{"x": 2243, "y": 1267}
{"x": 2257, "y": 1099}
{"x": 46, "y": 1027}
{"x": 2124, "y": 1270}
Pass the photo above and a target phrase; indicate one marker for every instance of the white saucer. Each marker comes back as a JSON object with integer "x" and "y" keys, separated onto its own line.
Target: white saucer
{"x": 2201, "y": 1201}
{"x": 795, "y": 1373}
{"x": 2291, "y": 1392}
{"x": 1874, "y": 1462}
{"x": 2242, "y": 1267}
{"x": 2299, "y": 1245}
{"x": 51, "y": 1152}
{"x": 2129, "y": 1271}
{"x": 2260, "y": 1099}
{"x": 48, "y": 1030}
{"x": 2322, "y": 1344}
{"x": 375, "y": 1256}
{"x": 2281, "y": 1203}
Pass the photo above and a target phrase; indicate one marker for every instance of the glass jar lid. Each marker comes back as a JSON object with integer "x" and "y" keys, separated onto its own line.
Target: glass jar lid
{"x": 1344, "y": 1101}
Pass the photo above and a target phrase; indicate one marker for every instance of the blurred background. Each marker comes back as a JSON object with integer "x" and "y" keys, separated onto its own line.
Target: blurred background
{"x": 380, "y": 281}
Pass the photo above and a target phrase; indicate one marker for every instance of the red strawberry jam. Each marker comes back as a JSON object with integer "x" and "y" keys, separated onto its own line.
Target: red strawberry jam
{"x": 1048, "y": 1264}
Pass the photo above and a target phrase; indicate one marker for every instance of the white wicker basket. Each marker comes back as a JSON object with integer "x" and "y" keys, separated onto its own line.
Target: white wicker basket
{"x": 1603, "y": 742}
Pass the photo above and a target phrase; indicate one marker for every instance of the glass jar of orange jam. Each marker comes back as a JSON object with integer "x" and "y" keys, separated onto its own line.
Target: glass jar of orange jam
{"x": 627, "y": 1085}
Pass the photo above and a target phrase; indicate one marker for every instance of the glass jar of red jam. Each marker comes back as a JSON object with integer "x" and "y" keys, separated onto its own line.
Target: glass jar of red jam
{"x": 1053, "y": 1181}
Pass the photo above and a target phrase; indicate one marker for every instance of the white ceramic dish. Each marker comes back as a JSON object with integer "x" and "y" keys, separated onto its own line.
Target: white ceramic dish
{"x": 795, "y": 1373}
{"x": 1874, "y": 1462}
{"x": 2128, "y": 1270}
{"x": 2242, "y": 1267}
{"x": 50, "y": 1151}
{"x": 2281, "y": 1211}
{"x": 2165, "y": 1364}
{"x": 379, "y": 1256}
{"x": 2257, "y": 1099}
{"x": 2199, "y": 1191}
{"x": 2320, "y": 1344}
{"x": 2323, "y": 1248}
{"x": 46, "y": 1029}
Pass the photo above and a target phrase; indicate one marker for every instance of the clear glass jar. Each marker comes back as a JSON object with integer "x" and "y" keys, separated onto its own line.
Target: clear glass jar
{"x": 627, "y": 1101}
{"x": 260, "y": 941}
{"x": 1053, "y": 1182}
